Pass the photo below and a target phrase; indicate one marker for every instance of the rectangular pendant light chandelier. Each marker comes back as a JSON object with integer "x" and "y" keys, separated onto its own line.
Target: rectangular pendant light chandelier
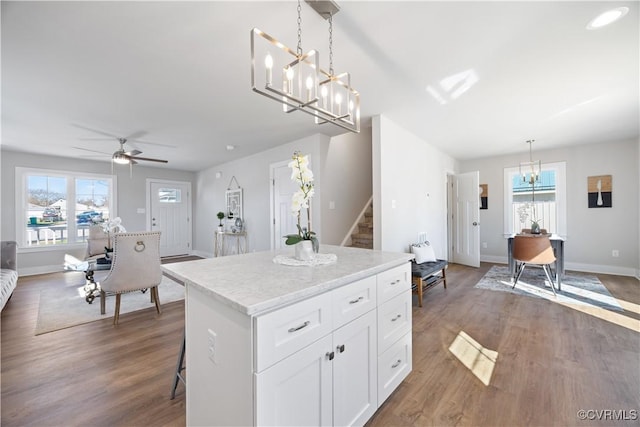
{"x": 295, "y": 79}
{"x": 534, "y": 175}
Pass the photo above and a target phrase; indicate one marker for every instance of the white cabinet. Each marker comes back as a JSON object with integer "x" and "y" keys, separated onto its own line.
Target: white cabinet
{"x": 328, "y": 359}
{"x": 330, "y": 382}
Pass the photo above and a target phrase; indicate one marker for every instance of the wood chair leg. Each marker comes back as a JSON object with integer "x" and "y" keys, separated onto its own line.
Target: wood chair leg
{"x": 444, "y": 277}
{"x": 156, "y": 298}
{"x": 103, "y": 301}
{"x": 419, "y": 288}
{"x": 116, "y": 316}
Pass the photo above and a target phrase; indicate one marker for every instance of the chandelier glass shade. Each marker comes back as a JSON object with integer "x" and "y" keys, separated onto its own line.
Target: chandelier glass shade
{"x": 296, "y": 80}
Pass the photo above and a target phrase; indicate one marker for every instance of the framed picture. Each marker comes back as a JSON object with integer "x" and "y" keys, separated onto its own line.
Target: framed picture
{"x": 234, "y": 204}
{"x": 484, "y": 196}
{"x": 599, "y": 191}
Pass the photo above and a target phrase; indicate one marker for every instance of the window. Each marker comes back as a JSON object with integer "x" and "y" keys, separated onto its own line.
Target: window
{"x": 546, "y": 200}
{"x": 56, "y": 207}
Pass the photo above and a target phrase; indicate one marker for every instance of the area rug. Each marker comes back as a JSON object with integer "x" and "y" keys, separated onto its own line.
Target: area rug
{"x": 62, "y": 308}
{"x": 577, "y": 288}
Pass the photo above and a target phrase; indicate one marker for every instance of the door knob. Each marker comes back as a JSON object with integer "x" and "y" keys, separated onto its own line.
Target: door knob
{"x": 475, "y": 223}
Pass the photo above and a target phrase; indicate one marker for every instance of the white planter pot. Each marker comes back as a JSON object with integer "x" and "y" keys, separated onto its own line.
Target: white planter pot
{"x": 304, "y": 250}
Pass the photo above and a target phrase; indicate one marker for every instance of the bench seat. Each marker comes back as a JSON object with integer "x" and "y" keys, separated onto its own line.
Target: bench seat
{"x": 426, "y": 275}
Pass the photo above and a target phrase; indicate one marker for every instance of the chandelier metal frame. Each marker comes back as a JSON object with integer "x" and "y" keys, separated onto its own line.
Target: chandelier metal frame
{"x": 305, "y": 86}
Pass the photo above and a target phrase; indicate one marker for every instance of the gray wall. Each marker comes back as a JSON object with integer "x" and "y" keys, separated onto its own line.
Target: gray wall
{"x": 591, "y": 233}
{"x": 131, "y": 195}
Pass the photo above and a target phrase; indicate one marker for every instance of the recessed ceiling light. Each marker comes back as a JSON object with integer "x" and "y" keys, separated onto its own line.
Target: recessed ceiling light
{"x": 230, "y": 147}
{"x": 606, "y": 18}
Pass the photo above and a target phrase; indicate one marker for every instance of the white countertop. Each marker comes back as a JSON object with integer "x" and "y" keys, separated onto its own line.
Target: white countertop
{"x": 252, "y": 283}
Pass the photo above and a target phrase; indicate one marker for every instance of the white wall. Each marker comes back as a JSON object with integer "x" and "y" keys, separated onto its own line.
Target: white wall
{"x": 342, "y": 173}
{"x": 347, "y": 182}
{"x": 409, "y": 185}
{"x": 252, "y": 174}
{"x": 131, "y": 196}
{"x": 591, "y": 233}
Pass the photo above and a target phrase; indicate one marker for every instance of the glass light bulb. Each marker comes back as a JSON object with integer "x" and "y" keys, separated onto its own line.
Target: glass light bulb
{"x": 309, "y": 82}
{"x": 289, "y": 73}
{"x": 323, "y": 91}
{"x": 268, "y": 61}
{"x": 338, "y": 99}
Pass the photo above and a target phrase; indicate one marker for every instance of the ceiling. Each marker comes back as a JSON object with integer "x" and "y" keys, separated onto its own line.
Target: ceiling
{"x": 475, "y": 79}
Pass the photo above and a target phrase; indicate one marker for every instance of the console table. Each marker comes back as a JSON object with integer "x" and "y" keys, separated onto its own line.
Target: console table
{"x": 237, "y": 243}
{"x": 557, "y": 243}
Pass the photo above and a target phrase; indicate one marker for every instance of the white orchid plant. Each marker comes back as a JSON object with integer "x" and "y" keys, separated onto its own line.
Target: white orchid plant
{"x": 303, "y": 177}
{"x": 112, "y": 226}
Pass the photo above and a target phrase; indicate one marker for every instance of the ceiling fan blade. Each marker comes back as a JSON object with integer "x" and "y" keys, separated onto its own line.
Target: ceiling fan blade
{"x": 133, "y": 153}
{"x": 95, "y": 139}
{"x": 93, "y": 151}
{"x": 153, "y": 143}
{"x": 95, "y": 130}
{"x": 134, "y": 135}
{"x": 149, "y": 159}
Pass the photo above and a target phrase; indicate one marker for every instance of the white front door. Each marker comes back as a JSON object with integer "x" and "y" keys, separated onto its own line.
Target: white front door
{"x": 466, "y": 219}
{"x": 170, "y": 213}
{"x": 283, "y": 188}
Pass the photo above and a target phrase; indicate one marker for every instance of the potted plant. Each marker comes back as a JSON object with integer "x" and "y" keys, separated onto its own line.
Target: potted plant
{"x": 535, "y": 226}
{"x": 305, "y": 241}
{"x": 220, "y": 216}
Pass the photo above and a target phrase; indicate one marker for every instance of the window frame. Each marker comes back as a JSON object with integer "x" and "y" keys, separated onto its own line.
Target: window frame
{"x": 21, "y": 175}
{"x": 561, "y": 196}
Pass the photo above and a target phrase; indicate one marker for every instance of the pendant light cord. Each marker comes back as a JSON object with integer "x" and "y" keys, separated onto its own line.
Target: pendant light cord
{"x": 331, "y": 44}
{"x": 299, "y": 49}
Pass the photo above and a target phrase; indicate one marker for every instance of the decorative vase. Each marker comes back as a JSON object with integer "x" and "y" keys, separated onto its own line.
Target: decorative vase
{"x": 535, "y": 228}
{"x": 304, "y": 250}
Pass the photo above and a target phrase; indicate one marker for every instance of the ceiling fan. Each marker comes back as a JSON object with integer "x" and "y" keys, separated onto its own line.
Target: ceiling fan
{"x": 122, "y": 156}
{"x": 125, "y": 157}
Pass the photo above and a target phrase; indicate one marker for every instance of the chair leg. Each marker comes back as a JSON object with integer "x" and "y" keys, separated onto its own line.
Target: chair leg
{"x": 444, "y": 277}
{"x": 116, "y": 316}
{"x": 103, "y": 301}
{"x": 179, "y": 368}
{"x": 419, "y": 289}
{"x": 547, "y": 272}
{"x": 519, "y": 270}
{"x": 156, "y": 298}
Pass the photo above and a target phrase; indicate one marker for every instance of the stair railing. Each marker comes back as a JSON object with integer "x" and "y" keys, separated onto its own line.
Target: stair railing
{"x": 347, "y": 238}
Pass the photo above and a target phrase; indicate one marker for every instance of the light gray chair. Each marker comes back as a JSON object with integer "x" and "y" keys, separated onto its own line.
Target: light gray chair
{"x": 135, "y": 266}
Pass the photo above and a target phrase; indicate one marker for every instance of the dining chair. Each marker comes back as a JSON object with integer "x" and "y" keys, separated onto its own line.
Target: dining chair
{"x": 135, "y": 266}
{"x": 536, "y": 250}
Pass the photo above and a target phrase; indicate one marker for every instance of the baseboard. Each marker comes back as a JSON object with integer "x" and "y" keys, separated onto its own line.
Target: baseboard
{"x": 575, "y": 266}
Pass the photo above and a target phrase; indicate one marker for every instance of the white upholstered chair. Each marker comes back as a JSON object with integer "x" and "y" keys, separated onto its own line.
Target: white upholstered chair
{"x": 135, "y": 266}
{"x": 533, "y": 249}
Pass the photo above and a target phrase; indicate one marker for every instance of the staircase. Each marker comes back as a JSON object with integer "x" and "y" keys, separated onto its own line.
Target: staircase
{"x": 363, "y": 237}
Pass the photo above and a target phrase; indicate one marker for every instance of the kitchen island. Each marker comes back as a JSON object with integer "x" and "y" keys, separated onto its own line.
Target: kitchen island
{"x": 272, "y": 344}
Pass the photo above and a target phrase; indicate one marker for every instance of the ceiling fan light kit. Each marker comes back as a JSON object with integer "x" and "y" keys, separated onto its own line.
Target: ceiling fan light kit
{"x": 295, "y": 79}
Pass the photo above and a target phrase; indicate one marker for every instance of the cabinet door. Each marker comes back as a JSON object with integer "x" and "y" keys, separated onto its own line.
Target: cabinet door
{"x": 355, "y": 371}
{"x": 297, "y": 391}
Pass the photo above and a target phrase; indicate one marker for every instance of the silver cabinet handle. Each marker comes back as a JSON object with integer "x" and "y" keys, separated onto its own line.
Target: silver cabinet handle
{"x": 395, "y": 282}
{"x": 395, "y": 365}
{"x": 357, "y": 300}
{"x": 297, "y": 328}
{"x": 330, "y": 355}
{"x": 396, "y": 318}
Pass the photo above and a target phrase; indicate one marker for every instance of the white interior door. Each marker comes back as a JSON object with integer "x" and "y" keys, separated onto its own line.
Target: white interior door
{"x": 282, "y": 190}
{"x": 170, "y": 213}
{"x": 466, "y": 219}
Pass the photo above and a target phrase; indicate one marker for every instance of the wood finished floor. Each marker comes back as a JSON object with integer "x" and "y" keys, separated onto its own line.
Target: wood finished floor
{"x": 552, "y": 361}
